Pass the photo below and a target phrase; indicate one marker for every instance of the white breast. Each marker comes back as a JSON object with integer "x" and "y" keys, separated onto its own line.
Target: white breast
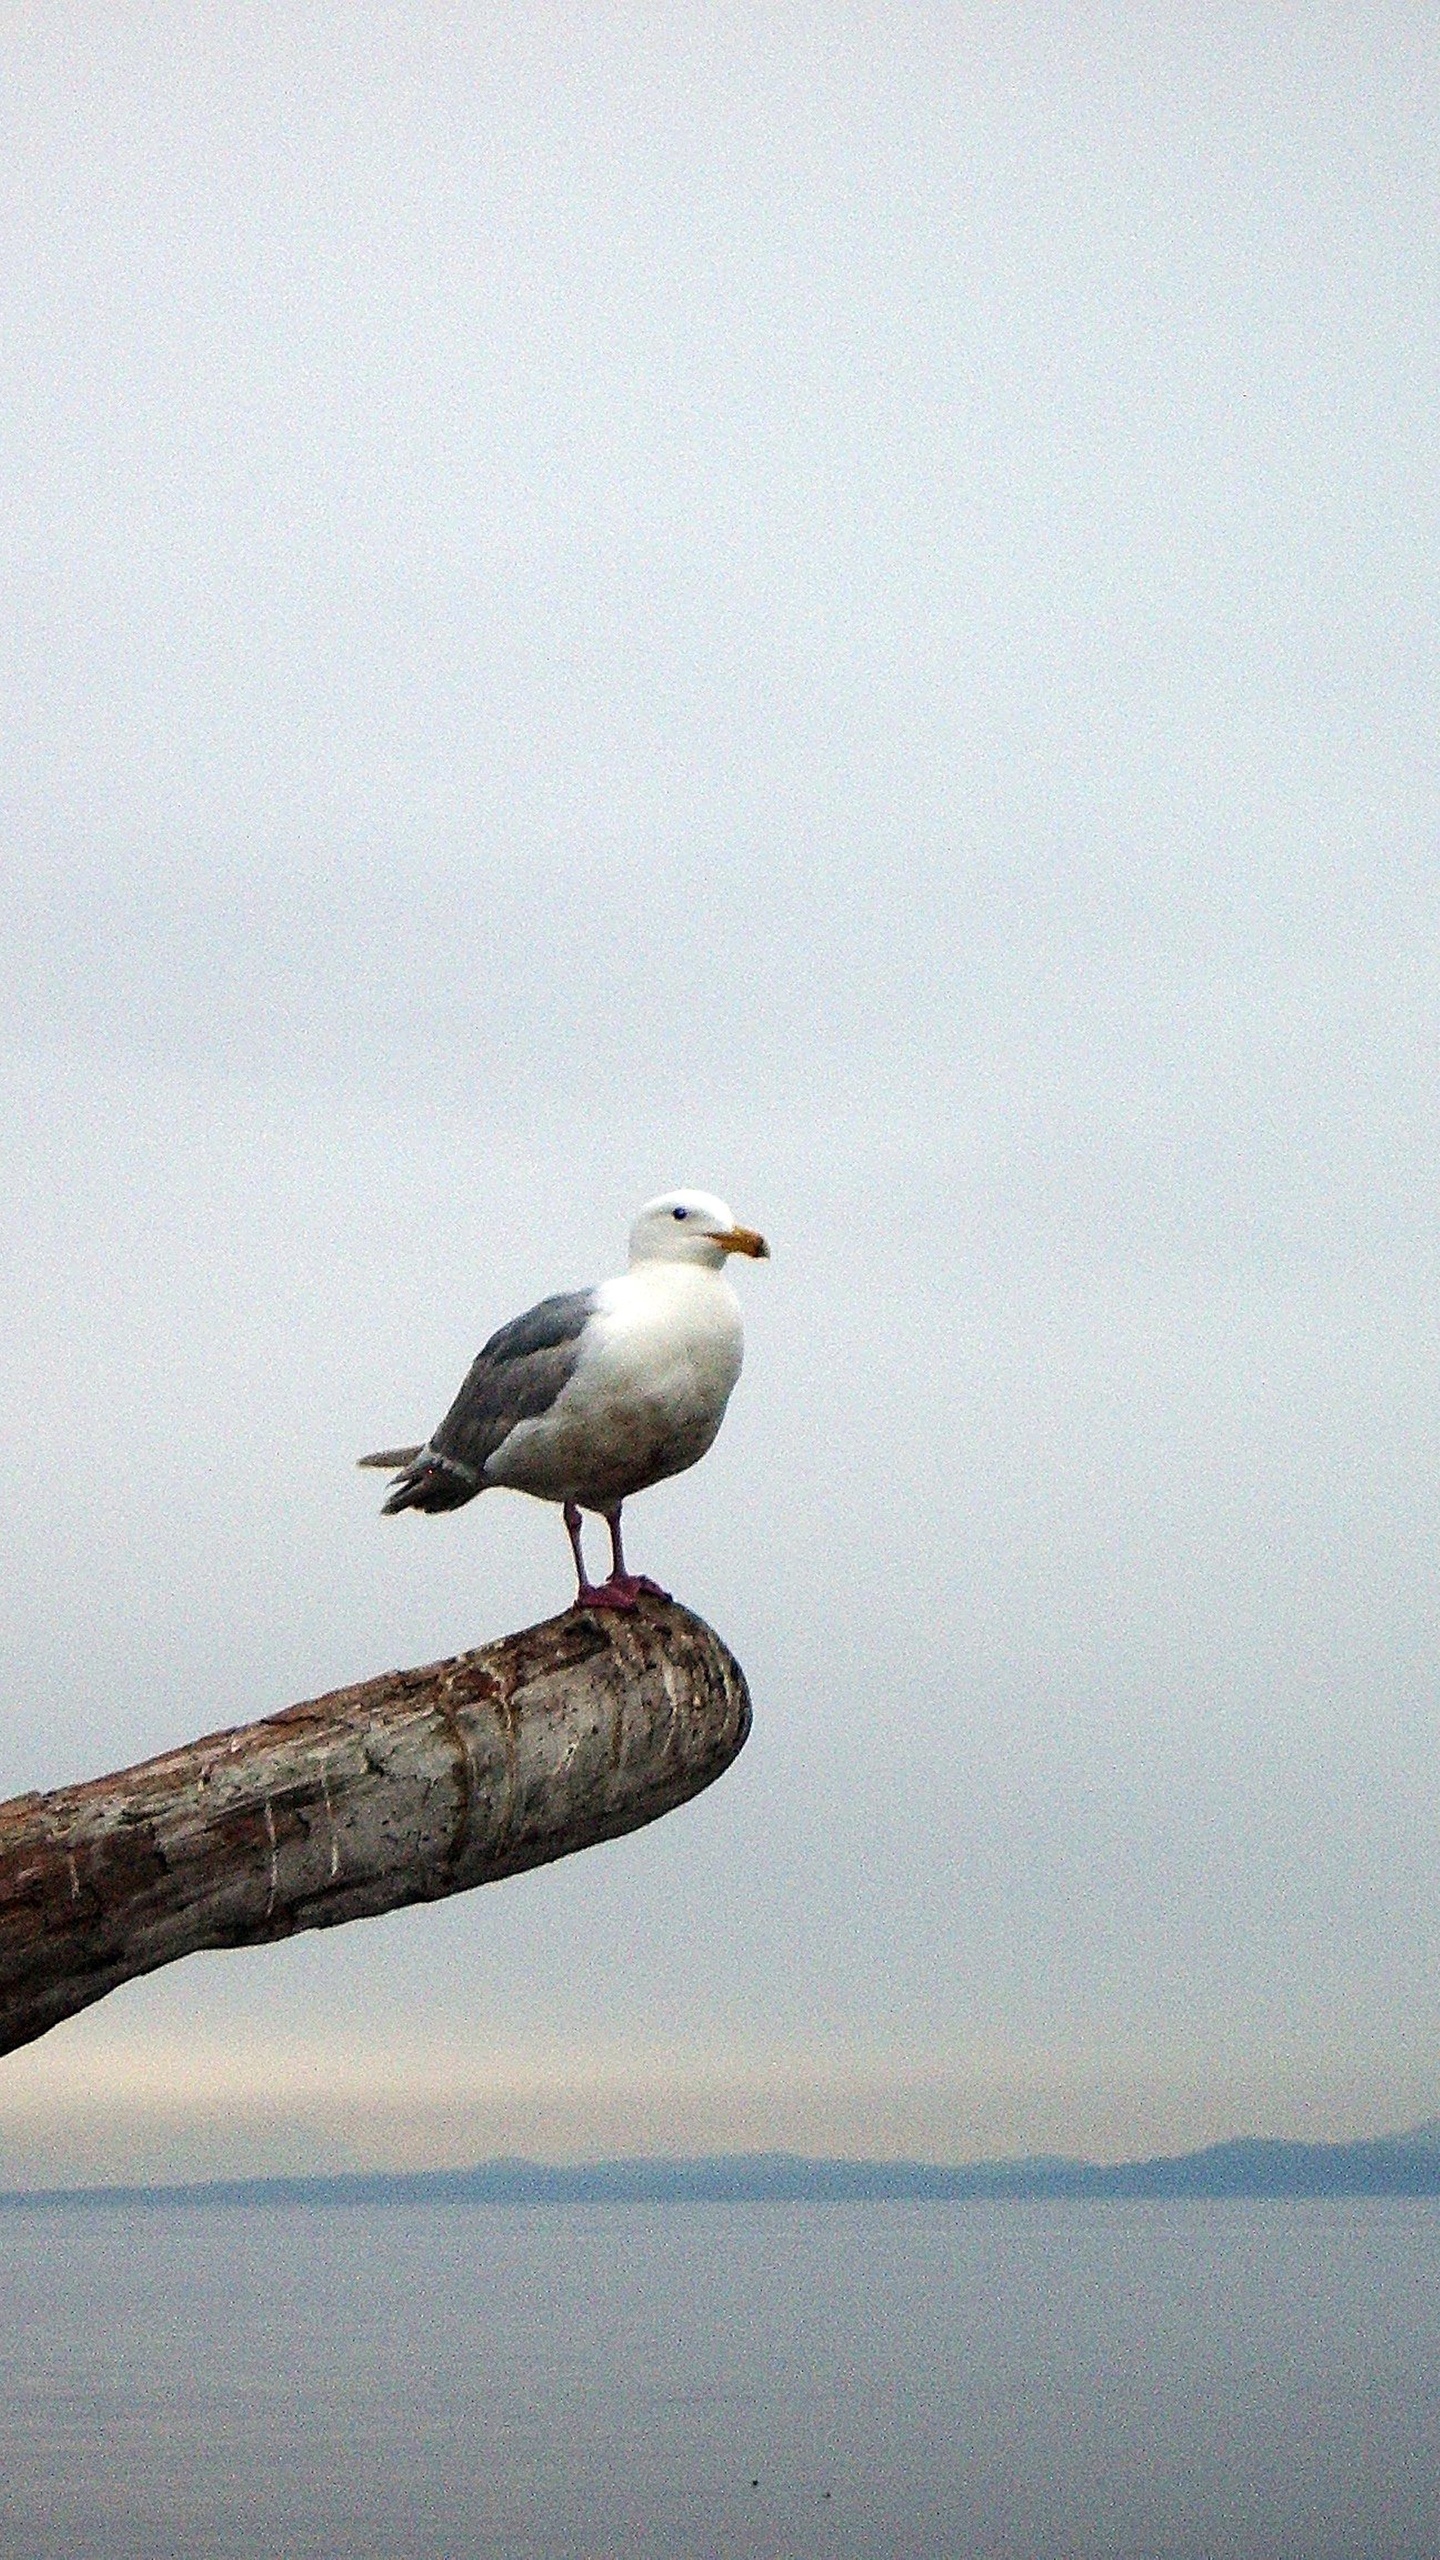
{"x": 657, "y": 1363}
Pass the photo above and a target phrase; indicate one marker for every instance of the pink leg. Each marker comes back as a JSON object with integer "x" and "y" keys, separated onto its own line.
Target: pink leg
{"x": 572, "y": 1527}
{"x": 620, "y": 1580}
{"x": 623, "y": 1589}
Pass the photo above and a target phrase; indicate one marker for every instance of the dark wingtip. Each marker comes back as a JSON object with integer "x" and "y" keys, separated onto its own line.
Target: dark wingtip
{"x": 433, "y": 1484}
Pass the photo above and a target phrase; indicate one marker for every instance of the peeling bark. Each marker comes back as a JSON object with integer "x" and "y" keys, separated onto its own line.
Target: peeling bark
{"x": 403, "y": 1789}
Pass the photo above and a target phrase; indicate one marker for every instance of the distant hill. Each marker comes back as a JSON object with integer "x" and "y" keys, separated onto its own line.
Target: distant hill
{"x": 1406, "y": 2164}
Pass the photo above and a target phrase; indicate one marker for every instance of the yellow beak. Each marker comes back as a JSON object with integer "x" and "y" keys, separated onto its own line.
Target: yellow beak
{"x": 743, "y": 1240}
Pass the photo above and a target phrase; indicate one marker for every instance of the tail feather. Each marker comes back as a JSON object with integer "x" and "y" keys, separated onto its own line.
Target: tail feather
{"x": 427, "y": 1481}
{"x": 390, "y": 1459}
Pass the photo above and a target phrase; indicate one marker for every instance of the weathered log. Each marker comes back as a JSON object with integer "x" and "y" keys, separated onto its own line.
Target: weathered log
{"x": 403, "y": 1789}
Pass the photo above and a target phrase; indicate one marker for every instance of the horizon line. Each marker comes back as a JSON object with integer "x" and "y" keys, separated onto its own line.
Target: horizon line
{"x": 1240, "y": 2166}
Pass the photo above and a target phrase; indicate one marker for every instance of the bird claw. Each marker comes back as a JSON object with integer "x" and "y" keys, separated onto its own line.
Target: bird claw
{"x": 622, "y": 1591}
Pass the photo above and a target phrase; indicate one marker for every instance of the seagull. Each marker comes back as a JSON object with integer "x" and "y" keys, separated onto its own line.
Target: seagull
{"x": 593, "y": 1395}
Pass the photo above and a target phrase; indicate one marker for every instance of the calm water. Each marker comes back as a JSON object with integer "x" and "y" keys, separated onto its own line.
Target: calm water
{"x": 1037, "y": 2381}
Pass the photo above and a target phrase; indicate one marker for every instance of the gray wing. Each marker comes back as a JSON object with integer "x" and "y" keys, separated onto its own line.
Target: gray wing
{"x": 517, "y": 1376}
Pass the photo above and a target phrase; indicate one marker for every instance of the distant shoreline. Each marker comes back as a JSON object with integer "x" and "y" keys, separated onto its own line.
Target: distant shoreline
{"x": 1249, "y": 2168}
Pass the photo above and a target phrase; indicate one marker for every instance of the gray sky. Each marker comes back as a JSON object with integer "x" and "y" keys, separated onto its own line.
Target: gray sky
{"x": 837, "y": 604}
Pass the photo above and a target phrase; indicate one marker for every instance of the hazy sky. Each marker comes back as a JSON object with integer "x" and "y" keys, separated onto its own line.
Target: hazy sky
{"x": 834, "y": 603}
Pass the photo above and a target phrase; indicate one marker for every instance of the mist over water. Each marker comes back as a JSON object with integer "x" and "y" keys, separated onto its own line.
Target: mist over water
{"x": 723, "y": 2382}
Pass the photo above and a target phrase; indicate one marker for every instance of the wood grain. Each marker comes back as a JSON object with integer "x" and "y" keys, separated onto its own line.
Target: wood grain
{"x": 406, "y": 1788}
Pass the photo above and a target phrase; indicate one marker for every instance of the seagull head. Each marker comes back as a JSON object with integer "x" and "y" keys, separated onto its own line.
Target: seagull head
{"x": 691, "y": 1226}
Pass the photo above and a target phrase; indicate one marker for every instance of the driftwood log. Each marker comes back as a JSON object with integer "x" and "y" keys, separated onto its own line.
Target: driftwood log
{"x": 409, "y": 1787}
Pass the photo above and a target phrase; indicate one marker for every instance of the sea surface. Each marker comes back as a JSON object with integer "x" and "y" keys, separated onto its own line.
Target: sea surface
{"x": 1199, "y": 2381}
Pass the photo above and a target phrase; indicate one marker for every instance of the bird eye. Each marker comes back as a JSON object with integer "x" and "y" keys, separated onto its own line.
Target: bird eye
{"x": 679, "y": 1213}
